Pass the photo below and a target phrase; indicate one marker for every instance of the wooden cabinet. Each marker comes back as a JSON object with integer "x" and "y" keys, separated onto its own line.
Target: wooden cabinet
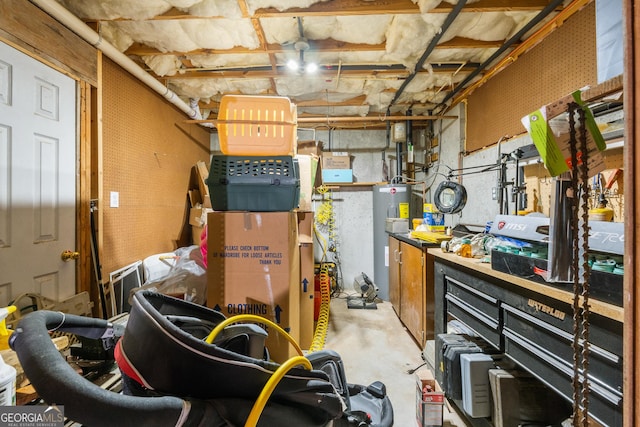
{"x": 394, "y": 273}
{"x": 410, "y": 290}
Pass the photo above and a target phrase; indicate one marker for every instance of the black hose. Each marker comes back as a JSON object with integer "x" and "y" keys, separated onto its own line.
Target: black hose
{"x": 459, "y": 200}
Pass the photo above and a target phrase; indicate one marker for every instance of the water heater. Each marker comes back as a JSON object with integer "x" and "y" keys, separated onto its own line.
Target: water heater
{"x": 389, "y": 201}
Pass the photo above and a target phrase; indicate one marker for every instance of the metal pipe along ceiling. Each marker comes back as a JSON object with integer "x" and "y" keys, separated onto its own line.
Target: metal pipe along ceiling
{"x": 515, "y": 38}
{"x": 65, "y": 17}
{"x": 432, "y": 45}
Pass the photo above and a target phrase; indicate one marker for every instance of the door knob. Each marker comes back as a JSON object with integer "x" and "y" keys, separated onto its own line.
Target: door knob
{"x": 69, "y": 255}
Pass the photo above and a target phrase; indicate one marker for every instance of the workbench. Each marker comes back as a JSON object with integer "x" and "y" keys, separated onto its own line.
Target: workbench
{"x": 532, "y": 324}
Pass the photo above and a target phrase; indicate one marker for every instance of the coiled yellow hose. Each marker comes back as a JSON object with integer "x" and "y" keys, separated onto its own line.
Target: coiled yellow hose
{"x": 325, "y": 216}
{"x": 320, "y": 334}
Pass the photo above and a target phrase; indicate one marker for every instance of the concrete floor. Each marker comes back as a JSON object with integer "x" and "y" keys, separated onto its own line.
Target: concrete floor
{"x": 374, "y": 345}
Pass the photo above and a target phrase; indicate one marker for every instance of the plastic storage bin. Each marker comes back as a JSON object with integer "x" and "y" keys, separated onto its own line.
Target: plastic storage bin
{"x": 254, "y": 183}
{"x": 257, "y": 125}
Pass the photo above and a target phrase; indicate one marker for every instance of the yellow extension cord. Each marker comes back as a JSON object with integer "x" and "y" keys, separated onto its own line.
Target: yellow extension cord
{"x": 323, "y": 316}
{"x": 317, "y": 344}
{"x": 251, "y": 317}
{"x": 261, "y": 401}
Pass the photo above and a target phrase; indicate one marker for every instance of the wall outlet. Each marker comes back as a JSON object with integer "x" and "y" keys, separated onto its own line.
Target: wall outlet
{"x": 114, "y": 199}
{"x": 494, "y": 193}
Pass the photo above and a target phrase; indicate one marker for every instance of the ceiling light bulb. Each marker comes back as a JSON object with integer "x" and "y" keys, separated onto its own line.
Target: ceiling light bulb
{"x": 292, "y": 64}
{"x": 311, "y": 67}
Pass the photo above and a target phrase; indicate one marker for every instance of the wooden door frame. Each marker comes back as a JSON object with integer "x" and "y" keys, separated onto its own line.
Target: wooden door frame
{"x": 21, "y": 33}
{"x": 632, "y": 236}
{"x": 84, "y": 274}
{"x": 83, "y": 178}
{"x": 90, "y": 187}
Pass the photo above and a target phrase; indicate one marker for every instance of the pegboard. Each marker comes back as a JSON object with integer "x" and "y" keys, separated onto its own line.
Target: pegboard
{"x": 148, "y": 154}
{"x": 563, "y": 62}
{"x": 539, "y": 185}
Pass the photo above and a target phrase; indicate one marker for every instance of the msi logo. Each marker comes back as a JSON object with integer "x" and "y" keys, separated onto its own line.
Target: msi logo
{"x": 511, "y": 226}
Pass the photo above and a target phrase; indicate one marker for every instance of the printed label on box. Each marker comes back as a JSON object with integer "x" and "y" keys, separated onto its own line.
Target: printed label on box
{"x": 433, "y": 218}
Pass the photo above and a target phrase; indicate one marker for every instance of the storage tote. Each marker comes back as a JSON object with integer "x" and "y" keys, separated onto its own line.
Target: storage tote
{"x": 257, "y": 125}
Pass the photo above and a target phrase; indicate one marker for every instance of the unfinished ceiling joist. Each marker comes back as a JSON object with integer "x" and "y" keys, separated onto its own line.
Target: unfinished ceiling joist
{"x": 394, "y": 52}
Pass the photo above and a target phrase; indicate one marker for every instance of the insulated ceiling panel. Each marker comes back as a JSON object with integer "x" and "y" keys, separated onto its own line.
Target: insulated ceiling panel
{"x": 373, "y": 58}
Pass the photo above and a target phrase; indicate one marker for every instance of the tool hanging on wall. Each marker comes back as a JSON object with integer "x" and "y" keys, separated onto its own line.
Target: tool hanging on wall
{"x": 599, "y": 210}
{"x": 518, "y": 186}
{"x": 518, "y": 190}
{"x": 580, "y": 231}
{"x": 97, "y": 267}
{"x": 450, "y": 197}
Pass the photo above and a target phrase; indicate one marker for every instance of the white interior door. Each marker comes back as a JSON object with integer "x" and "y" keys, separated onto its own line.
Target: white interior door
{"x": 37, "y": 178}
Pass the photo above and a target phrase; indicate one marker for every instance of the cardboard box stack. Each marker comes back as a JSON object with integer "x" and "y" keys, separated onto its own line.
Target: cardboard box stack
{"x": 308, "y": 156}
{"x": 306, "y": 282}
{"x": 336, "y": 167}
{"x": 258, "y": 262}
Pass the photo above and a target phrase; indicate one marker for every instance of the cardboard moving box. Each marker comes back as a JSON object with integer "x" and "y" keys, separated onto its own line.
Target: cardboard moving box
{"x": 306, "y": 283}
{"x": 308, "y": 165}
{"x": 254, "y": 268}
{"x": 336, "y": 160}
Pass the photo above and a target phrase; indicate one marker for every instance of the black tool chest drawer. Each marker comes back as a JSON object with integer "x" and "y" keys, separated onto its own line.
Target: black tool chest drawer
{"x": 605, "y": 350}
{"x": 536, "y": 331}
{"x": 547, "y": 352}
{"x": 478, "y": 310}
{"x": 603, "y": 332}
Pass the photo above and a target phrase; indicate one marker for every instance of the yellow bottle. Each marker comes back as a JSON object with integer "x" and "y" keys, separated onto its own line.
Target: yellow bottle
{"x": 465, "y": 248}
{"x": 5, "y": 333}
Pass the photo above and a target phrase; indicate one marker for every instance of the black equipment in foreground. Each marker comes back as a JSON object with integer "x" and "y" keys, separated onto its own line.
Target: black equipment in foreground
{"x": 171, "y": 376}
